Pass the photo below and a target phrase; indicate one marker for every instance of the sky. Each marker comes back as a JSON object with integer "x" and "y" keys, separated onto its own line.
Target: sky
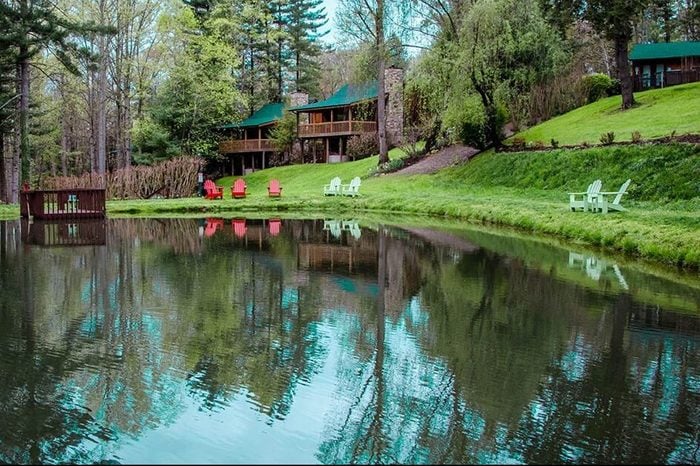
{"x": 330, "y": 6}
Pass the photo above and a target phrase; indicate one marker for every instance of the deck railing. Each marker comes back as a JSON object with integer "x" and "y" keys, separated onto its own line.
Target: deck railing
{"x": 248, "y": 145}
{"x": 665, "y": 79}
{"x": 63, "y": 203}
{"x": 337, "y": 128}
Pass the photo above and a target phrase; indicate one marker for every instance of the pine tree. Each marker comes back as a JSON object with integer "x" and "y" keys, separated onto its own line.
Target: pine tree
{"x": 304, "y": 22}
{"x": 28, "y": 28}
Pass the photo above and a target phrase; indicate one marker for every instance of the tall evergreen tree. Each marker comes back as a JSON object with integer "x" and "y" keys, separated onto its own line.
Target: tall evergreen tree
{"x": 28, "y": 28}
{"x": 305, "y": 20}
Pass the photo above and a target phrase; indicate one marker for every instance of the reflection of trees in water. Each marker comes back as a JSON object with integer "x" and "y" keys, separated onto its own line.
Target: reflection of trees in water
{"x": 41, "y": 419}
{"x": 460, "y": 357}
{"x": 536, "y": 370}
{"x": 179, "y": 234}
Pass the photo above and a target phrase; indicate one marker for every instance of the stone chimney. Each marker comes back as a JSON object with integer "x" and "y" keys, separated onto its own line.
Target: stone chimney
{"x": 393, "y": 82}
{"x": 297, "y": 99}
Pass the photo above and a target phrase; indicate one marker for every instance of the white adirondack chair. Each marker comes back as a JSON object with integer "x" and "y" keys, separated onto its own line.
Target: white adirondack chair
{"x": 587, "y": 199}
{"x": 601, "y": 201}
{"x": 352, "y": 189}
{"x": 352, "y": 227}
{"x": 333, "y": 188}
{"x": 334, "y": 226}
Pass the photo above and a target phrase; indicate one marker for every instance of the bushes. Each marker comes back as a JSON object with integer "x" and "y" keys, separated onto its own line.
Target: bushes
{"x": 363, "y": 145}
{"x": 598, "y": 85}
{"x": 471, "y": 124}
{"x": 173, "y": 178}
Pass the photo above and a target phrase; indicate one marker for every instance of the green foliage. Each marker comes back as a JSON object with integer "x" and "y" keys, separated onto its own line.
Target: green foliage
{"x": 151, "y": 142}
{"x": 302, "y": 22}
{"x": 471, "y": 122}
{"x": 200, "y": 93}
{"x": 363, "y": 145}
{"x": 597, "y": 86}
{"x": 284, "y": 133}
{"x": 507, "y": 48}
{"x": 607, "y": 138}
{"x": 636, "y": 137}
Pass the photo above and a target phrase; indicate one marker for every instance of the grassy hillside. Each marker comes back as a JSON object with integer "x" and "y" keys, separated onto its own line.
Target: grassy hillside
{"x": 658, "y": 113}
{"x": 658, "y": 172}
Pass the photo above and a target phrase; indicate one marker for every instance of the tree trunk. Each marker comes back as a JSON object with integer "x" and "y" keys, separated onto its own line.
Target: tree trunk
{"x": 101, "y": 136}
{"x": 623, "y": 71}
{"x": 3, "y": 183}
{"x": 381, "y": 98}
{"x": 24, "y": 114}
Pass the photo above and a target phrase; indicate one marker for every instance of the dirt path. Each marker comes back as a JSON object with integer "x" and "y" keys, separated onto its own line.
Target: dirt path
{"x": 443, "y": 158}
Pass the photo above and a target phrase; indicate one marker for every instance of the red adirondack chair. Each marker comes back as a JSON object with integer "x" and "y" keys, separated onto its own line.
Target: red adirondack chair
{"x": 274, "y": 225}
{"x": 213, "y": 224}
{"x": 274, "y": 189}
{"x": 212, "y": 191}
{"x": 238, "y": 227}
{"x": 238, "y": 188}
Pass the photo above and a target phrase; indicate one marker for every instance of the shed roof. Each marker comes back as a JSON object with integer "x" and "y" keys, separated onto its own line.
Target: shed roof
{"x": 665, "y": 50}
{"x": 268, "y": 113}
{"x": 346, "y": 95}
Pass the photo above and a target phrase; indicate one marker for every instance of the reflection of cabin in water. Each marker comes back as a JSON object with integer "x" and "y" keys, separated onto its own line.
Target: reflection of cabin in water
{"x": 337, "y": 250}
{"x": 248, "y": 143}
{"x": 74, "y": 232}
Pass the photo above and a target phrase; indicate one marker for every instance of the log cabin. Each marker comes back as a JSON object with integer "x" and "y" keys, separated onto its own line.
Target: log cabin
{"x": 248, "y": 143}
{"x": 665, "y": 64}
{"x": 324, "y": 127}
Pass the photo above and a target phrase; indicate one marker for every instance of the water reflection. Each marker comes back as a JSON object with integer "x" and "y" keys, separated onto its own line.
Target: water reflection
{"x": 595, "y": 267}
{"x": 73, "y": 232}
{"x": 253, "y": 340}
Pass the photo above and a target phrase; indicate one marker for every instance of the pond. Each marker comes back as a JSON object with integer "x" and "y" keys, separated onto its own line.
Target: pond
{"x": 336, "y": 341}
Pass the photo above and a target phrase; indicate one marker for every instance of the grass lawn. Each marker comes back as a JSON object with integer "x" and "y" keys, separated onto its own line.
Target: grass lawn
{"x": 657, "y": 113}
{"x": 665, "y": 231}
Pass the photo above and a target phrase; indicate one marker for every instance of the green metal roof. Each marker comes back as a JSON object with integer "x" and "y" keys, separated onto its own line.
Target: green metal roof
{"x": 267, "y": 114}
{"x": 346, "y": 95}
{"x": 665, "y": 50}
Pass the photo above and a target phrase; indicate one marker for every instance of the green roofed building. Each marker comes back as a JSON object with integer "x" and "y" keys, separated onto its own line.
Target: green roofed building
{"x": 665, "y": 64}
{"x": 248, "y": 142}
{"x": 324, "y": 127}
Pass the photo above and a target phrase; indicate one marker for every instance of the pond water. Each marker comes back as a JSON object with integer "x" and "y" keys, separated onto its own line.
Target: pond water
{"x": 331, "y": 341}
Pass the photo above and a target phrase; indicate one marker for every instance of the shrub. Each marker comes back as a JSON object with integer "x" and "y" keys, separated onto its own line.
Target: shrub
{"x": 597, "y": 86}
{"x": 363, "y": 145}
{"x": 474, "y": 129}
{"x": 172, "y": 178}
{"x": 636, "y": 137}
{"x": 518, "y": 142}
{"x": 607, "y": 138}
{"x": 554, "y": 143}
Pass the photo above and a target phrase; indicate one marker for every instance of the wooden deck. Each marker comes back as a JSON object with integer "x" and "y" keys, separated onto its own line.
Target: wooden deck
{"x": 58, "y": 204}
{"x": 232, "y": 146}
{"x": 337, "y": 128}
